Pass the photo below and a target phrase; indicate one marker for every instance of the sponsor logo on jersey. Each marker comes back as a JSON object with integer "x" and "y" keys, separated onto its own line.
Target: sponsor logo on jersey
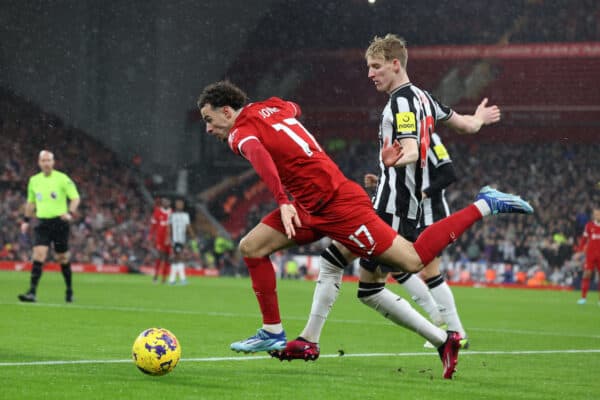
{"x": 405, "y": 122}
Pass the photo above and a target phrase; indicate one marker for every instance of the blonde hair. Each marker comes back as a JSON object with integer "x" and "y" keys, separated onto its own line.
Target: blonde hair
{"x": 389, "y": 47}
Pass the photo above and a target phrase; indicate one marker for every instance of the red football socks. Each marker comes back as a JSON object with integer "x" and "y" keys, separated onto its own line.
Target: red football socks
{"x": 585, "y": 286}
{"x": 436, "y": 237}
{"x": 265, "y": 287}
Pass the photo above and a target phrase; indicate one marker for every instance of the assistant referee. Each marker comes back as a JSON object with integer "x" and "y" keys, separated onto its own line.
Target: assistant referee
{"x": 47, "y": 194}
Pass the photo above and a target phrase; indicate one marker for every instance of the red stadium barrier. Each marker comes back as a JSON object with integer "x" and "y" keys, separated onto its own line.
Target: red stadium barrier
{"x": 92, "y": 268}
{"x": 348, "y": 278}
{"x": 54, "y": 267}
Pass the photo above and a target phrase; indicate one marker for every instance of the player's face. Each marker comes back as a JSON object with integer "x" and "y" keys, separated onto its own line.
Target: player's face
{"x": 165, "y": 203}
{"x": 179, "y": 205}
{"x": 383, "y": 73}
{"x": 218, "y": 120}
{"x": 46, "y": 162}
{"x": 596, "y": 215}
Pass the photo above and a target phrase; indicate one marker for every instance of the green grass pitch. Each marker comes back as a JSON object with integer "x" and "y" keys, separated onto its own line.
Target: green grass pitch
{"x": 524, "y": 344}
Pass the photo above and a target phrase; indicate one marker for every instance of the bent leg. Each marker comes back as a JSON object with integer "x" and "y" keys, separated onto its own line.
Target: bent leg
{"x": 421, "y": 295}
{"x": 372, "y": 292}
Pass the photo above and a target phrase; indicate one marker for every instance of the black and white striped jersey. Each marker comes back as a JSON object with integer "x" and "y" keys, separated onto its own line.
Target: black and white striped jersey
{"x": 438, "y": 175}
{"x": 409, "y": 113}
{"x": 179, "y": 221}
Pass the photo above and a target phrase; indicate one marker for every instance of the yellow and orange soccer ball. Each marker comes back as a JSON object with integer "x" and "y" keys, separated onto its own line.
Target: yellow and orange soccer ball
{"x": 156, "y": 351}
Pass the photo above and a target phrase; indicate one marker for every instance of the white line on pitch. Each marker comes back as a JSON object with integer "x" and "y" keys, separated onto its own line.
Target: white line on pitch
{"x": 255, "y": 358}
{"x": 291, "y": 318}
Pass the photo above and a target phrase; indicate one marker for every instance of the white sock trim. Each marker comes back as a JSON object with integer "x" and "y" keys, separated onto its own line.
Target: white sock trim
{"x": 273, "y": 328}
{"x": 483, "y": 207}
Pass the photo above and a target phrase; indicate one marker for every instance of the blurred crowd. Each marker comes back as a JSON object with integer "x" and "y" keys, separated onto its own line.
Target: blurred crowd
{"x": 456, "y": 22}
{"x": 112, "y": 222}
{"x": 560, "y": 180}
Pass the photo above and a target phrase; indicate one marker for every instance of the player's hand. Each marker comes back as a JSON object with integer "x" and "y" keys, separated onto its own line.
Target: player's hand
{"x": 289, "y": 219}
{"x": 371, "y": 181}
{"x": 24, "y": 227}
{"x": 390, "y": 154}
{"x": 67, "y": 217}
{"x": 487, "y": 114}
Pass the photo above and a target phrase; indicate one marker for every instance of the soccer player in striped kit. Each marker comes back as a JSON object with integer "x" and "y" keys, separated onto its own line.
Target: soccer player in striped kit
{"x": 434, "y": 295}
{"x": 179, "y": 226}
{"x": 407, "y": 122}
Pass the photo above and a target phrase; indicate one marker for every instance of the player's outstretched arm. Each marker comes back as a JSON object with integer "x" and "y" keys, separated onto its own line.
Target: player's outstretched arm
{"x": 469, "y": 124}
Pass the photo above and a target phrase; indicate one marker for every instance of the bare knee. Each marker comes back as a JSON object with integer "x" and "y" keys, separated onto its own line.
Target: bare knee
{"x": 62, "y": 258}
{"x": 246, "y": 247}
{"x": 40, "y": 253}
{"x": 432, "y": 269}
{"x": 251, "y": 248}
{"x": 376, "y": 276}
{"x": 402, "y": 256}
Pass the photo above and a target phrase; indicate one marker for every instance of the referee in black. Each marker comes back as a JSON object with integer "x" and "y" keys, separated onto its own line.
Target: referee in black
{"x": 47, "y": 194}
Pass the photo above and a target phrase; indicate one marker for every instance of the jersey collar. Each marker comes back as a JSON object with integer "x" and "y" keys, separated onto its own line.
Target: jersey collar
{"x": 400, "y": 87}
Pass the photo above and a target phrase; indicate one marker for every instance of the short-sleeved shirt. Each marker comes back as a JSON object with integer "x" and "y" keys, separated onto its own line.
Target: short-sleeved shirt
{"x": 305, "y": 170}
{"x": 50, "y": 193}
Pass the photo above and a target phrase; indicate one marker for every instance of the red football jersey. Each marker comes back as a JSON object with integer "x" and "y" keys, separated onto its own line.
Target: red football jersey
{"x": 591, "y": 236}
{"x": 306, "y": 172}
{"x": 159, "y": 223}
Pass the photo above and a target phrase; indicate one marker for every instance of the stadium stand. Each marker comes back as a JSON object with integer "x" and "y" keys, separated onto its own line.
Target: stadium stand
{"x": 546, "y": 145}
{"x": 113, "y": 220}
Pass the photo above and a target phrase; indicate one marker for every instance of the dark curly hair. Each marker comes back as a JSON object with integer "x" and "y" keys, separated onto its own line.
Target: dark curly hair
{"x": 223, "y": 93}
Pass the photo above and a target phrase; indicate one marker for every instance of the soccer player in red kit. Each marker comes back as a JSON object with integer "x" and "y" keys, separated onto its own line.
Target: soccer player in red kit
{"x": 590, "y": 245}
{"x": 159, "y": 224}
{"x": 325, "y": 203}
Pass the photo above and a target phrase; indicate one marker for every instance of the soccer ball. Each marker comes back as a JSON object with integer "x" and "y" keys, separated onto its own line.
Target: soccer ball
{"x": 156, "y": 351}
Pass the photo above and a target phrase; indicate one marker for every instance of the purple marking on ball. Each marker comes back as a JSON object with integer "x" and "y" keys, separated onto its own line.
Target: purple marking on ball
{"x": 147, "y": 332}
{"x": 158, "y": 349}
{"x": 169, "y": 340}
